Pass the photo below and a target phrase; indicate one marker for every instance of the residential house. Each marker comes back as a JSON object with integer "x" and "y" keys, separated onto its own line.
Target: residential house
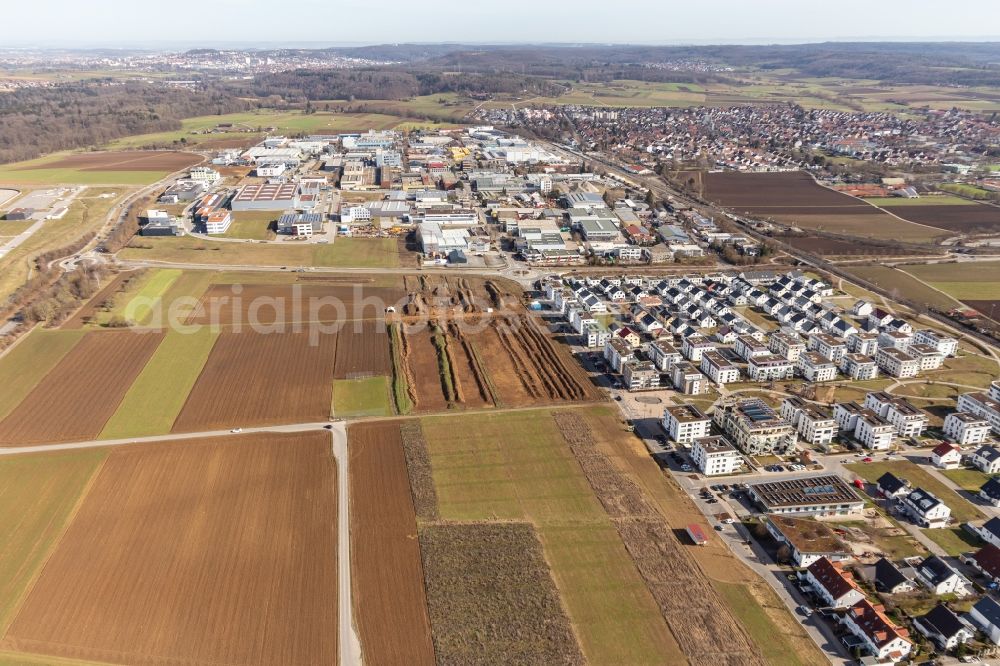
{"x": 986, "y": 459}
{"x": 942, "y": 626}
{"x": 836, "y": 587}
{"x": 946, "y": 456}
{"x": 891, "y": 486}
{"x": 941, "y": 578}
{"x": 925, "y": 509}
{"x": 889, "y": 579}
{"x": 985, "y": 615}
{"x": 881, "y": 638}
{"x": 990, "y": 492}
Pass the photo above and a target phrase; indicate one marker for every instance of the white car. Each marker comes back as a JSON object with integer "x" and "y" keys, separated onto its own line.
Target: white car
{"x": 235, "y": 430}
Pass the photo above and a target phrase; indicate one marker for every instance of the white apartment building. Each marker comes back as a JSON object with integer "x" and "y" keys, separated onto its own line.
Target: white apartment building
{"x": 904, "y": 417}
{"x": 685, "y": 423}
{"x": 815, "y": 367}
{"x": 832, "y": 347}
{"x": 718, "y": 369}
{"x": 714, "y": 456}
{"x": 985, "y": 406}
{"x": 846, "y": 415}
{"x": 941, "y": 343}
{"x": 897, "y": 363}
{"x": 662, "y": 354}
{"x": 787, "y": 346}
{"x": 859, "y": 367}
{"x": 927, "y": 356}
{"x": 746, "y": 347}
{"x": 770, "y": 367}
{"x": 895, "y": 340}
{"x": 694, "y": 346}
{"x": 640, "y": 376}
{"x": 966, "y": 429}
{"x": 874, "y": 432}
{"x": 881, "y": 638}
{"x": 863, "y": 343}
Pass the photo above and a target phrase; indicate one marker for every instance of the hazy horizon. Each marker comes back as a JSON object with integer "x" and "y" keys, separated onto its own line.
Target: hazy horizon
{"x": 244, "y": 23}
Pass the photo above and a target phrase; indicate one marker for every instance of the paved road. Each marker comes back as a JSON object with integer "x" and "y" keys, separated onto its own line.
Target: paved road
{"x": 350, "y": 646}
{"x": 23, "y": 237}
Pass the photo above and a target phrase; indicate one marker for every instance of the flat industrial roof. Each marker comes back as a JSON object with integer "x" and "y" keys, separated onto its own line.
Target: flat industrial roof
{"x": 808, "y": 491}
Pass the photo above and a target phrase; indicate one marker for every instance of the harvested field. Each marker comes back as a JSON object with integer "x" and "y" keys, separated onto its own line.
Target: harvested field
{"x": 234, "y": 304}
{"x": 491, "y": 597}
{"x": 385, "y": 556}
{"x": 972, "y": 219}
{"x": 253, "y": 379}
{"x": 471, "y": 385}
{"x": 420, "y": 359}
{"x": 515, "y": 466}
{"x": 131, "y": 160}
{"x": 704, "y": 627}
{"x": 76, "y": 399}
{"x": 795, "y": 190}
{"x": 363, "y": 350}
{"x": 234, "y": 539}
{"x": 418, "y": 467}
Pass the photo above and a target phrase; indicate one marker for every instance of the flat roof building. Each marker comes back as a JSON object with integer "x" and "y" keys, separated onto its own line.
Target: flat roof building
{"x": 815, "y": 495}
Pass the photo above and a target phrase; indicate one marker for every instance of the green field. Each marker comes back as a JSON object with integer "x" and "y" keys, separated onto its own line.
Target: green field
{"x": 970, "y": 191}
{"x": 136, "y": 303}
{"x": 254, "y": 225}
{"x": 961, "y": 509}
{"x": 345, "y": 252}
{"x": 516, "y": 466}
{"x": 38, "y": 493}
{"x": 22, "y": 367}
{"x": 159, "y": 392}
{"x": 954, "y": 540}
{"x": 968, "y": 479}
{"x": 361, "y": 397}
{"x": 250, "y": 124}
{"x": 897, "y": 202}
{"x": 757, "y": 623}
{"x": 963, "y": 281}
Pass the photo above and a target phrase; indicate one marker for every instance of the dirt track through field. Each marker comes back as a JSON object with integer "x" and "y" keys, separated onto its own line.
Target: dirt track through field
{"x": 79, "y": 395}
{"x": 387, "y": 574}
{"x": 206, "y": 552}
{"x": 253, "y": 379}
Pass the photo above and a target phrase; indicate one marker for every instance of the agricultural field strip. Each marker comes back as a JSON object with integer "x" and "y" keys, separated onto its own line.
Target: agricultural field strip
{"x": 678, "y": 585}
{"x": 166, "y": 631}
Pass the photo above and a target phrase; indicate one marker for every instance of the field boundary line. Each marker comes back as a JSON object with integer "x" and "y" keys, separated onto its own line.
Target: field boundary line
{"x": 70, "y": 518}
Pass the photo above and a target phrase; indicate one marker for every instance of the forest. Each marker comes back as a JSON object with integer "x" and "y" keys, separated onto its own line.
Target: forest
{"x": 36, "y": 121}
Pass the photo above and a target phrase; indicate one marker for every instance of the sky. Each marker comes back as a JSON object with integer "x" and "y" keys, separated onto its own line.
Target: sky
{"x": 159, "y": 23}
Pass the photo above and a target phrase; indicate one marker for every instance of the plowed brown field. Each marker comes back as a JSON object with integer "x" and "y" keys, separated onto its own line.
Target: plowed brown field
{"x": 254, "y": 379}
{"x": 387, "y": 575}
{"x": 129, "y": 160}
{"x": 974, "y": 218}
{"x": 267, "y": 304}
{"x": 526, "y": 368}
{"x": 217, "y": 551}
{"x": 363, "y": 350}
{"x": 76, "y": 399}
